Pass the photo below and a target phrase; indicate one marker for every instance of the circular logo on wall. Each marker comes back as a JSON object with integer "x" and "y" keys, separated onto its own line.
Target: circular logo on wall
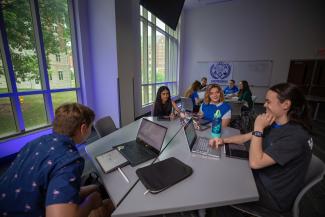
{"x": 220, "y": 70}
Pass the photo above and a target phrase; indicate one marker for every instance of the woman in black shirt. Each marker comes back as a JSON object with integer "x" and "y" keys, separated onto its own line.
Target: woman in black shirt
{"x": 164, "y": 106}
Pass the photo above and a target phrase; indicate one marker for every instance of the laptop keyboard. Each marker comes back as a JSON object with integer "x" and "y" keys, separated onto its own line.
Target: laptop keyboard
{"x": 202, "y": 144}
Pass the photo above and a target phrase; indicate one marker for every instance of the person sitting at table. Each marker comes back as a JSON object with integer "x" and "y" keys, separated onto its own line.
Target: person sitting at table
{"x": 203, "y": 84}
{"x": 164, "y": 105}
{"x": 231, "y": 90}
{"x": 45, "y": 177}
{"x": 213, "y": 101}
{"x": 280, "y": 146}
{"x": 245, "y": 94}
{"x": 192, "y": 92}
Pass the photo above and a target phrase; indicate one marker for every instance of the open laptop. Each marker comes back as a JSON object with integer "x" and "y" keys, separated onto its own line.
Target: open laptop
{"x": 236, "y": 151}
{"x": 147, "y": 145}
{"x": 199, "y": 145}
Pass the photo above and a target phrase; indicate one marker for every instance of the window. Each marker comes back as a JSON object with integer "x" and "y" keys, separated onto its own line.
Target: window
{"x": 35, "y": 44}
{"x": 60, "y": 75}
{"x": 159, "y": 57}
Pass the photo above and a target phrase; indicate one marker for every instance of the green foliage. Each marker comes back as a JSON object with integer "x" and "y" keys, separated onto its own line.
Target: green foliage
{"x": 19, "y": 28}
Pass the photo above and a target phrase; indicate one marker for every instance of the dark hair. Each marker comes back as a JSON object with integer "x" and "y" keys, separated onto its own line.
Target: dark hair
{"x": 245, "y": 88}
{"x": 204, "y": 78}
{"x": 161, "y": 109}
{"x": 299, "y": 111}
{"x": 233, "y": 81}
{"x": 69, "y": 117}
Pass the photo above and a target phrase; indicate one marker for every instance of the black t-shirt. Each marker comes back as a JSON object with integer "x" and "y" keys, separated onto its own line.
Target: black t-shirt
{"x": 290, "y": 146}
{"x": 163, "y": 109}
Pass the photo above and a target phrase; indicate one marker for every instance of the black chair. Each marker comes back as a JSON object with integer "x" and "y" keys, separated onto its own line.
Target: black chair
{"x": 105, "y": 126}
{"x": 315, "y": 174}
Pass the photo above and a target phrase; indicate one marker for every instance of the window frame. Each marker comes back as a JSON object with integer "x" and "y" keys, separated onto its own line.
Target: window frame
{"x": 13, "y": 94}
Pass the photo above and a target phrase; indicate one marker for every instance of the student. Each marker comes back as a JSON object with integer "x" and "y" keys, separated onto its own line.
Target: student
{"x": 245, "y": 94}
{"x": 280, "y": 146}
{"x": 213, "y": 101}
{"x": 192, "y": 92}
{"x": 164, "y": 105}
{"x": 232, "y": 89}
{"x": 44, "y": 179}
{"x": 203, "y": 84}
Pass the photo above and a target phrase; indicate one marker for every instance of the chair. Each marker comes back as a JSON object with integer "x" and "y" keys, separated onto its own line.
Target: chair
{"x": 105, "y": 126}
{"x": 315, "y": 174}
{"x": 187, "y": 104}
{"x": 235, "y": 108}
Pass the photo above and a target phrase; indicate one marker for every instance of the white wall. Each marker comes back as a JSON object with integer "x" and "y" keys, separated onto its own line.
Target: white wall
{"x": 278, "y": 30}
{"x": 99, "y": 57}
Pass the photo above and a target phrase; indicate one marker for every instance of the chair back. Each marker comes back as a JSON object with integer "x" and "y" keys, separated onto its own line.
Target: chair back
{"x": 235, "y": 108}
{"x": 105, "y": 126}
{"x": 315, "y": 174}
{"x": 187, "y": 104}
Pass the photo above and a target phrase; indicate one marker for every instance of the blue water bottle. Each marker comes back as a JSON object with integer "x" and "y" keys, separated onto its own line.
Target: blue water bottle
{"x": 216, "y": 125}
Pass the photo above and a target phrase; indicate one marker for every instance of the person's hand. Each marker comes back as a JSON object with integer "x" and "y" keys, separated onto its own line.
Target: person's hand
{"x": 200, "y": 114}
{"x": 262, "y": 121}
{"x": 172, "y": 116}
{"x": 214, "y": 143}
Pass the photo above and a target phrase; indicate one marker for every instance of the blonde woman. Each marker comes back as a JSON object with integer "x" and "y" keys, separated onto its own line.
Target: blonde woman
{"x": 213, "y": 101}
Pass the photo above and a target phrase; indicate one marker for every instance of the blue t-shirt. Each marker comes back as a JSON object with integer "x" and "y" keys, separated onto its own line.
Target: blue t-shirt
{"x": 229, "y": 90}
{"x": 46, "y": 171}
{"x": 209, "y": 110}
{"x": 194, "y": 96}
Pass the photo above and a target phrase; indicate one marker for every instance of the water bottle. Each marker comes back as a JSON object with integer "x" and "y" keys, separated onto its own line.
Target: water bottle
{"x": 216, "y": 125}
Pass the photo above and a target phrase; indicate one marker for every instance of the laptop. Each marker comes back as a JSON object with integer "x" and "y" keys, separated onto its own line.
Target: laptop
{"x": 147, "y": 145}
{"x": 236, "y": 151}
{"x": 199, "y": 145}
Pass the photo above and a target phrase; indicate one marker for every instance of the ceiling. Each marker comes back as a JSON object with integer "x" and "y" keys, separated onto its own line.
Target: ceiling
{"x": 190, "y": 4}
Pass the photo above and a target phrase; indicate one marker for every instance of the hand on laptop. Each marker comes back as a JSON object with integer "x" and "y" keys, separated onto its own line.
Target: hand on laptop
{"x": 214, "y": 143}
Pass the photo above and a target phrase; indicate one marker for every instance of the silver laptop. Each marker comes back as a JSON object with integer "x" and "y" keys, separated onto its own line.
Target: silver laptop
{"x": 199, "y": 145}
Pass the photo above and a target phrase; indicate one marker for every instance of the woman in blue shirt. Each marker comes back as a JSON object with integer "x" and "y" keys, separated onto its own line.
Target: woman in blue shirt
{"x": 232, "y": 89}
{"x": 192, "y": 92}
{"x": 45, "y": 177}
{"x": 213, "y": 101}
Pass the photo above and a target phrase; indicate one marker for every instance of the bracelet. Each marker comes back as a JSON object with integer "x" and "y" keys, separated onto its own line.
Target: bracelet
{"x": 257, "y": 133}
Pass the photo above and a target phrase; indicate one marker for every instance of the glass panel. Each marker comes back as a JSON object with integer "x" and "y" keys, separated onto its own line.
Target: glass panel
{"x": 150, "y": 16}
{"x": 63, "y": 97}
{"x": 20, "y": 32}
{"x": 3, "y": 80}
{"x": 33, "y": 111}
{"x": 141, "y": 10}
{"x": 151, "y": 93}
{"x": 143, "y": 74}
{"x": 160, "y": 57}
{"x": 151, "y": 77}
{"x": 7, "y": 118}
{"x": 160, "y": 24}
{"x": 57, "y": 42}
{"x": 145, "y": 96}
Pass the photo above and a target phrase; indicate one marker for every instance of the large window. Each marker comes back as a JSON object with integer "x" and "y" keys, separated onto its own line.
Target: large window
{"x": 159, "y": 57}
{"x": 36, "y": 63}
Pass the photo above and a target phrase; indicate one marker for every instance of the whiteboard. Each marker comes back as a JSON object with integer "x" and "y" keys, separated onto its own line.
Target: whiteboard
{"x": 256, "y": 72}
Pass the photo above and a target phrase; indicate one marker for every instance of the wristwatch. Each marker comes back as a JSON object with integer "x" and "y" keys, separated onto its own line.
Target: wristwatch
{"x": 257, "y": 133}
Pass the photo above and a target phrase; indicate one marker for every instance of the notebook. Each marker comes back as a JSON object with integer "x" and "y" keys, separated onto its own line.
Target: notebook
{"x": 197, "y": 144}
{"x": 147, "y": 145}
{"x": 236, "y": 151}
{"x": 111, "y": 160}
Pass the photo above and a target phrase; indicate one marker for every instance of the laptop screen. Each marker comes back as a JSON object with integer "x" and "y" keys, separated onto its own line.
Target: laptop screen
{"x": 190, "y": 132}
{"x": 152, "y": 134}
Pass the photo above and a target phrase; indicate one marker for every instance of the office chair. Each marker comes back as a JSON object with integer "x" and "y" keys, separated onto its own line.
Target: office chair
{"x": 315, "y": 174}
{"x": 187, "y": 104}
{"x": 105, "y": 126}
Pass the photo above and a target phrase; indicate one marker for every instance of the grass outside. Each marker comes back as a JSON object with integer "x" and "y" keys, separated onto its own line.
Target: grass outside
{"x": 33, "y": 110}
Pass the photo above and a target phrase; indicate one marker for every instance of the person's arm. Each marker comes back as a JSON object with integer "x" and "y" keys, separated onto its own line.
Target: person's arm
{"x": 237, "y": 139}
{"x": 225, "y": 122}
{"x": 257, "y": 158}
{"x": 92, "y": 201}
{"x": 175, "y": 107}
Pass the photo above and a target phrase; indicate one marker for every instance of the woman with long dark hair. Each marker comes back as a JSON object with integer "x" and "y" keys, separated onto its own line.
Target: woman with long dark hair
{"x": 280, "y": 146}
{"x": 245, "y": 93}
{"x": 164, "y": 105}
